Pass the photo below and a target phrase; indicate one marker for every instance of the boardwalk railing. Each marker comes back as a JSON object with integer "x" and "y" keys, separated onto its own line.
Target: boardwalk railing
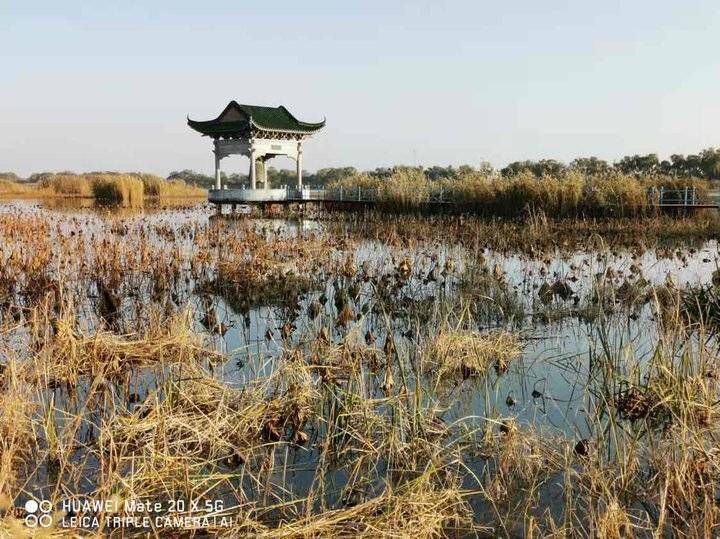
{"x": 341, "y": 194}
{"x": 291, "y": 194}
{"x": 358, "y": 194}
{"x": 687, "y": 197}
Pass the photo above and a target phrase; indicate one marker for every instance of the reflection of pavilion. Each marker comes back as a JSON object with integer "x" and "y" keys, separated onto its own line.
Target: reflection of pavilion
{"x": 259, "y": 133}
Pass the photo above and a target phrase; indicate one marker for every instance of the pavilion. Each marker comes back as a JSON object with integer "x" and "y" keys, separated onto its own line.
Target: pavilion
{"x": 259, "y": 133}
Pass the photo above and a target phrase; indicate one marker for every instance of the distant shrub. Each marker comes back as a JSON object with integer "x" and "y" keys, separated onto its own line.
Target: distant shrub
{"x": 9, "y": 176}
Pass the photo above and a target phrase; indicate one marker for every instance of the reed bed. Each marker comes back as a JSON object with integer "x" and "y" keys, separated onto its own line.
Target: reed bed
{"x": 122, "y": 190}
{"x": 9, "y": 188}
{"x": 257, "y": 268}
{"x": 166, "y": 189}
{"x": 126, "y": 190}
{"x": 569, "y": 196}
{"x": 69, "y": 185}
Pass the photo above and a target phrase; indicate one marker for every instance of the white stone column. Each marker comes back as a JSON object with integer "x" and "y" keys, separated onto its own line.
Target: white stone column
{"x": 252, "y": 168}
{"x": 264, "y": 173}
{"x": 217, "y": 168}
{"x": 299, "y": 165}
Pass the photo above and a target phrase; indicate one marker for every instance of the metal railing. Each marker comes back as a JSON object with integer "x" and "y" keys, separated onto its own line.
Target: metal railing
{"x": 657, "y": 196}
{"x": 685, "y": 197}
{"x": 357, "y": 194}
{"x": 341, "y": 194}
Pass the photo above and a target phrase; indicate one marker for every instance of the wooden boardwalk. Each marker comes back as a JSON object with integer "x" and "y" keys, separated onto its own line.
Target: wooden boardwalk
{"x": 687, "y": 198}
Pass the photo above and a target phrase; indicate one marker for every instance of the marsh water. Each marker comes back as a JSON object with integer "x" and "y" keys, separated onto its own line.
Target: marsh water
{"x": 551, "y": 299}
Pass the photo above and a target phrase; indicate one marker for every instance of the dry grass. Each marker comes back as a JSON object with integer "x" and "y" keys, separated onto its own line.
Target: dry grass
{"x": 71, "y": 354}
{"x": 122, "y": 190}
{"x": 333, "y": 424}
{"x": 17, "y": 438}
{"x": 418, "y": 509}
{"x": 572, "y": 195}
{"x": 164, "y": 189}
{"x": 466, "y": 353}
{"x": 127, "y": 190}
{"x": 67, "y": 184}
{"x": 10, "y": 188}
{"x": 196, "y": 416}
{"x": 614, "y": 522}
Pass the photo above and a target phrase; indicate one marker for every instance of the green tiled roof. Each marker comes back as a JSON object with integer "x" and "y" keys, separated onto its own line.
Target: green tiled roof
{"x": 237, "y": 119}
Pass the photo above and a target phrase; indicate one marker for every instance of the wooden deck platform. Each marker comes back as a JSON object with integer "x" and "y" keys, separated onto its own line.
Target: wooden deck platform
{"x": 290, "y": 195}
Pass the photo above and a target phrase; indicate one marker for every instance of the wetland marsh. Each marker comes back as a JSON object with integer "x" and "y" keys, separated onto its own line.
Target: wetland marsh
{"x": 362, "y": 375}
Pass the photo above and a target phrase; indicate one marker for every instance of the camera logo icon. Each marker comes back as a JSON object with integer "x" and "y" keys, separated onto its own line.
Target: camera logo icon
{"x": 38, "y": 513}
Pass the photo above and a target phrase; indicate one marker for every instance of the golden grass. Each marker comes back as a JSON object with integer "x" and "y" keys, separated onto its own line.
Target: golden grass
{"x": 199, "y": 417}
{"x": 17, "y": 438}
{"x": 69, "y": 185}
{"x": 10, "y": 188}
{"x": 70, "y": 354}
{"x": 127, "y": 190}
{"x": 471, "y": 353}
{"x": 164, "y": 189}
{"x": 417, "y": 509}
{"x": 571, "y": 195}
{"x": 195, "y": 434}
{"x": 614, "y": 522}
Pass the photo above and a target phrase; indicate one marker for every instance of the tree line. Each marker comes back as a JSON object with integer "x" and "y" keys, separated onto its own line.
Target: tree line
{"x": 705, "y": 164}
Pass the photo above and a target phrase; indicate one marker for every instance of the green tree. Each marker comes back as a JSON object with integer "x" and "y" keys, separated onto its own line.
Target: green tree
{"x": 589, "y": 165}
{"x": 710, "y": 163}
{"x": 639, "y": 164}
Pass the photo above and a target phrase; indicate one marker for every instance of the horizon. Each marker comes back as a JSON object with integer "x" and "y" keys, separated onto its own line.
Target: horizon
{"x": 109, "y": 87}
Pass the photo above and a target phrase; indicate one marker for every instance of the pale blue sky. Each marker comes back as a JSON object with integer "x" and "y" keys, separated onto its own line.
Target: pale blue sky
{"x": 107, "y": 85}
